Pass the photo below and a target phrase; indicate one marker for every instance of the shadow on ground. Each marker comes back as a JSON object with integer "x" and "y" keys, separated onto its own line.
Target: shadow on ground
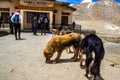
{"x": 3, "y": 33}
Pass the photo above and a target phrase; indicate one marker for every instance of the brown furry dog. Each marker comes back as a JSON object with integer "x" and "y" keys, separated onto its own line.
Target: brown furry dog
{"x": 62, "y": 32}
{"x": 59, "y": 43}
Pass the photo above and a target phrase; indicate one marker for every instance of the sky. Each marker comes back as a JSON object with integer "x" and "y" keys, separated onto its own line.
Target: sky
{"x": 81, "y": 1}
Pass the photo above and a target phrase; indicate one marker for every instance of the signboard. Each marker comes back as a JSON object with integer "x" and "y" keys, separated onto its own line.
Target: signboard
{"x": 4, "y": 9}
{"x": 39, "y": 3}
{"x": 36, "y": 8}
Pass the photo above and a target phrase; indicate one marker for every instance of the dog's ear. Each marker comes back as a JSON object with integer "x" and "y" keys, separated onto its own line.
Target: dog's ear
{"x": 44, "y": 52}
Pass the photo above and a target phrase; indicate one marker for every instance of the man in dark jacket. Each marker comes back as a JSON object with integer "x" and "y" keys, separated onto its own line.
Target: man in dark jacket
{"x": 11, "y": 25}
{"x": 34, "y": 25}
{"x": 1, "y": 21}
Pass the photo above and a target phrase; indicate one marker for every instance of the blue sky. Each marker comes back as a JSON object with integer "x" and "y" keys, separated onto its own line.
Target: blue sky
{"x": 79, "y": 1}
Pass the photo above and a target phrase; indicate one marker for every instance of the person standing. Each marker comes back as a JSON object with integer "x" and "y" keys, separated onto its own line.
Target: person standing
{"x": 39, "y": 22}
{"x": 16, "y": 20}
{"x": 34, "y": 25}
{"x": 73, "y": 25}
{"x": 43, "y": 27}
{"x": 11, "y": 25}
{"x": 1, "y": 22}
{"x": 46, "y": 23}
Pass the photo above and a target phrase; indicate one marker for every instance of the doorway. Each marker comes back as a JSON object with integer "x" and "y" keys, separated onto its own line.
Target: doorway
{"x": 28, "y": 17}
{"x": 64, "y": 20}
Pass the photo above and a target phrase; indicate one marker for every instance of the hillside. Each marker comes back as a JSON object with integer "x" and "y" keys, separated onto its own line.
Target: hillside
{"x": 106, "y": 10}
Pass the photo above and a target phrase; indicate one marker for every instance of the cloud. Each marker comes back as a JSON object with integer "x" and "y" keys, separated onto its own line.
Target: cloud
{"x": 81, "y": 1}
{"x": 84, "y": 1}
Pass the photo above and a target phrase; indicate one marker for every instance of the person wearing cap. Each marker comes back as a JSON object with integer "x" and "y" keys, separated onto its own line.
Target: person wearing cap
{"x": 17, "y": 27}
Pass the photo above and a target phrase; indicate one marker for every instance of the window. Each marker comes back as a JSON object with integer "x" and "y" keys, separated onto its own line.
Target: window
{"x": 29, "y": 17}
{"x": 64, "y": 20}
{"x": 6, "y": 17}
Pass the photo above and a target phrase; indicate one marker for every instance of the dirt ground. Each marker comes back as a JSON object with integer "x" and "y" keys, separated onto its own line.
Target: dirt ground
{"x": 24, "y": 60}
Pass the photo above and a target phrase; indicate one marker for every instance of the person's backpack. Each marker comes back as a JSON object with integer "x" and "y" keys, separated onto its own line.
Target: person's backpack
{"x": 42, "y": 20}
{"x": 16, "y": 19}
{"x": 39, "y": 21}
{"x": 46, "y": 20}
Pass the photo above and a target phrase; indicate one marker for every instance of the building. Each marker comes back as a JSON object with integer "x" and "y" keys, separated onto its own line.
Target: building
{"x": 57, "y": 12}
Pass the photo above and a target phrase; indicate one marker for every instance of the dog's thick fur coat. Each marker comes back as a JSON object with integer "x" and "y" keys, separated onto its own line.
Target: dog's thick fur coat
{"x": 92, "y": 43}
{"x": 61, "y": 42}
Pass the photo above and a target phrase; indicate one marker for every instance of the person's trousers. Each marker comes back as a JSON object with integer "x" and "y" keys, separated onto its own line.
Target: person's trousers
{"x": 34, "y": 30}
{"x": 43, "y": 29}
{"x": 11, "y": 28}
{"x": 17, "y": 30}
{"x": 0, "y": 25}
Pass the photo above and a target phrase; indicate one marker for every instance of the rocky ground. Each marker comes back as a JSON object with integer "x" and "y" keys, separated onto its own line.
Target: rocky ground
{"x": 110, "y": 34}
{"x": 24, "y": 59}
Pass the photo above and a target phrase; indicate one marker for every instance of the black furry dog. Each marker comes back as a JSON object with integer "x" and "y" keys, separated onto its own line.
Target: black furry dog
{"x": 92, "y": 43}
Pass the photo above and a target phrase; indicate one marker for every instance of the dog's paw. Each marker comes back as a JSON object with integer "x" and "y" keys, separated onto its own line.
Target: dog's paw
{"x": 93, "y": 78}
{"x": 48, "y": 62}
{"x": 81, "y": 65}
{"x": 54, "y": 62}
{"x": 86, "y": 75}
{"x": 72, "y": 57}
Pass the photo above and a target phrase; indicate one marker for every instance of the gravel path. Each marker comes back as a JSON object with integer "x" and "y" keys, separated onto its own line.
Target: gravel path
{"x": 112, "y": 48}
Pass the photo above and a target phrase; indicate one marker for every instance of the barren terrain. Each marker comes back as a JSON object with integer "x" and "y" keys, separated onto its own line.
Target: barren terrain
{"x": 24, "y": 59}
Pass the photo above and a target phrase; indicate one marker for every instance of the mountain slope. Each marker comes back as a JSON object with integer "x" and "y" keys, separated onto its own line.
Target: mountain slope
{"x": 106, "y": 10}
